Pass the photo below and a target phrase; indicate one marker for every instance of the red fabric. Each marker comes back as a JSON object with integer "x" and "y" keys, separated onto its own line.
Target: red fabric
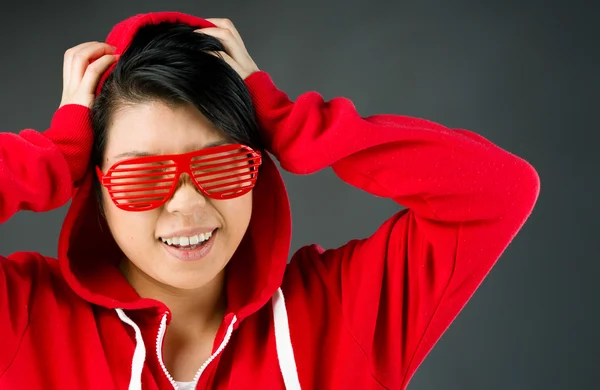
{"x": 362, "y": 316}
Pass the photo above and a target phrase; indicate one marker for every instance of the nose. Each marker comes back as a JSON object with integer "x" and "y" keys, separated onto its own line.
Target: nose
{"x": 187, "y": 199}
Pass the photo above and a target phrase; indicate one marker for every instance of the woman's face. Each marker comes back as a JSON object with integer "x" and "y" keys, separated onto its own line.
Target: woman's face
{"x": 188, "y": 216}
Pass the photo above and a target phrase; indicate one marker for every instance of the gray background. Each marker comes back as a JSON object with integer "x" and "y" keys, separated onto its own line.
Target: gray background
{"x": 523, "y": 75}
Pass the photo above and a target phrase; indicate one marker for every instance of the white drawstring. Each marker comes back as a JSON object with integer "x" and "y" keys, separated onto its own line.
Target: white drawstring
{"x": 139, "y": 354}
{"x": 285, "y": 352}
{"x": 283, "y": 342}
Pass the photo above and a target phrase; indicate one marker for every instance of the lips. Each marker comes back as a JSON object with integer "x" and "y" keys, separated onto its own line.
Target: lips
{"x": 188, "y": 232}
{"x": 187, "y": 241}
{"x": 191, "y": 252}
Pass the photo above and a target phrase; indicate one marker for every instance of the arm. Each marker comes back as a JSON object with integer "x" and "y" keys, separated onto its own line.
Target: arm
{"x": 466, "y": 199}
{"x": 38, "y": 172}
{"x": 36, "y": 169}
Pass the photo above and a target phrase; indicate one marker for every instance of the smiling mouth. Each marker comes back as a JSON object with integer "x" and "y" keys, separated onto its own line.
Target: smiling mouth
{"x": 189, "y": 242}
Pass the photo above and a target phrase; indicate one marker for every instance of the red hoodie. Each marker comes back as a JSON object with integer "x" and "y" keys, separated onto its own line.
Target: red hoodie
{"x": 362, "y": 316}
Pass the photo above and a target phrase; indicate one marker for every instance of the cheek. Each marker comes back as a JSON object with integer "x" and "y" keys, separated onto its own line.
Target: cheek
{"x": 130, "y": 229}
{"x": 236, "y": 213}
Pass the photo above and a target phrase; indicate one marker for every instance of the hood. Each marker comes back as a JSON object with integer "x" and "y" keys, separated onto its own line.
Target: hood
{"x": 88, "y": 255}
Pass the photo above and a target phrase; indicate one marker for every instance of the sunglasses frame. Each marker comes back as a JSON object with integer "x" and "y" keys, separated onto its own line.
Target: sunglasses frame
{"x": 183, "y": 164}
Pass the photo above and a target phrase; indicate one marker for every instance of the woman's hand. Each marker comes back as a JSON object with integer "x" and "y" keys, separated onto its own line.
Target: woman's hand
{"x": 83, "y": 66}
{"x": 71, "y": 130}
{"x": 235, "y": 53}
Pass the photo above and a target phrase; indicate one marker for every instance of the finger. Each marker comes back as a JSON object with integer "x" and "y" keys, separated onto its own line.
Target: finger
{"x": 229, "y": 41}
{"x": 95, "y": 71}
{"x": 226, "y": 23}
{"x": 68, "y": 59}
{"x": 229, "y": 60}
{"x": 85, "y": 55}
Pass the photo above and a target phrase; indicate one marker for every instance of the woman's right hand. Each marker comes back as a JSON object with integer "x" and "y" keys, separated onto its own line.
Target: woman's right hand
{"x": 71, "y": 128}
{"x": 83, "y": 66}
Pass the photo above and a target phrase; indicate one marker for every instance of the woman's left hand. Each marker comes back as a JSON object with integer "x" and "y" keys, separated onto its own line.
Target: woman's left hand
{"x": 236, "y": 54}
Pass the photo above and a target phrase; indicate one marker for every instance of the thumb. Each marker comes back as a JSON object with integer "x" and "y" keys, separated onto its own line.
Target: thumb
{"x": 231, "y": 62}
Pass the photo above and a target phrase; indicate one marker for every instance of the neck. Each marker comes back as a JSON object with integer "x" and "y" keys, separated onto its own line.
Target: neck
{"x": 194, "y": 311}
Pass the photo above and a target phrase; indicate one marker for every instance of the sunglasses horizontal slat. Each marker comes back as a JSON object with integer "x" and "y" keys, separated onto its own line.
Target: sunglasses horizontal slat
{"x": 218, "y": 172}
{"x": 225, "y": 195}
{"x": 226, "y": 188}
{"x": 139, "y": 176}
{"x": 138, "y": 183}
{"x": 230, "y": 184}
{"x": 145, "y": 189}
{"x": 161, "y": 195}
{"x": 233, "y": 192}
{"x": 222, "y": 178}
{"x": 146, "y": 167}
{"x": 217, "y": 167}
{"x": 140, "y": 203}
{"x": 199, "y": 160}
{"x": 142, "y": 207}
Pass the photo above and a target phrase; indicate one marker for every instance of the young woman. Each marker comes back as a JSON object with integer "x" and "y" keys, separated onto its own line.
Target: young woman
{"x": 172, "y": 267}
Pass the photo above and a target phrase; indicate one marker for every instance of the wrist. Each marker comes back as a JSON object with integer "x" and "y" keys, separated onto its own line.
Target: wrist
{"x": 270, "y": 104}
{"x": 71, "y": 131}
{"x": 262, "y": 89}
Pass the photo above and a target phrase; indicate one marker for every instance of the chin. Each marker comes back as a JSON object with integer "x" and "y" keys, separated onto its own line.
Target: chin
{"x": 185, "y": 278}
{"x": 186, "y": 283}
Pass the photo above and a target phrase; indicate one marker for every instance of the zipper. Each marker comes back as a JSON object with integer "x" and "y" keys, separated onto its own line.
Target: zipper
{"x": 218, "y": 351}
{"x": 159, "y": 342}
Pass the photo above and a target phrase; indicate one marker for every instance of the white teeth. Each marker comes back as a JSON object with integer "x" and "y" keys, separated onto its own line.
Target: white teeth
{"x": 187, "y": 241}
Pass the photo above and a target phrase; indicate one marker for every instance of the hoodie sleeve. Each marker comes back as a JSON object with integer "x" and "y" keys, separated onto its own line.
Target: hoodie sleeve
{"x": 465, "y": 200}
{"x": 36, "y": 171}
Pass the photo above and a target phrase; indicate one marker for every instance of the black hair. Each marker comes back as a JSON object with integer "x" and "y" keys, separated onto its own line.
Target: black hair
{"x": 172, "y": 64}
